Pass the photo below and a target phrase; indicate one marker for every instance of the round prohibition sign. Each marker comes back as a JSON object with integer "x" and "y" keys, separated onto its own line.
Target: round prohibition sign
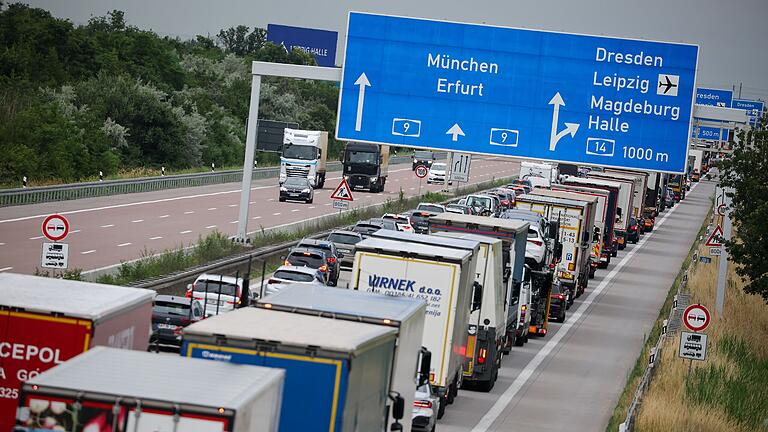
{"x": 421, "y": 171}
{"x": 55, "y": 227}
{"x": 721, "y": 209}
{"x": 696, "y": 317}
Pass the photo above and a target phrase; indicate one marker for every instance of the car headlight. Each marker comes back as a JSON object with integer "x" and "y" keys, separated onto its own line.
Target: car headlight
{"x": 374, "y": 178}
{"x": 306, "y": 191}
{"x": 283, "y": 189}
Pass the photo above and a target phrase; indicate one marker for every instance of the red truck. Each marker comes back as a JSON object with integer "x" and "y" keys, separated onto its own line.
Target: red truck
{"x": 45, "y": 321}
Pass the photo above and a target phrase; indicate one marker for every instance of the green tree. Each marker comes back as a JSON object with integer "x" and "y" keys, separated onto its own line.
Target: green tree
{"x": 241, "y": 41}
{"x": 746, "y": 171}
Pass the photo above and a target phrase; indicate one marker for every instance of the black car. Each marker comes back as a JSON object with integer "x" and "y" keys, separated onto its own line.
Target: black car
{"x": 633, "y": 231}
{"x": 170, "y": 314}
{"x": 370, "y": 226}
{"x": 558, "y": 303}
{"x": 312, "y": 258}
{"x": 297, "y": 189}
{"x": 420, "y": 221}
{"x": 332, "y": 256}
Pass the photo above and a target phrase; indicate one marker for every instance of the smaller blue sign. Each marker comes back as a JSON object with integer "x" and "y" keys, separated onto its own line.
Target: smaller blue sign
{"x": 753, "y": 108}
{"x": 320, "y": 43}
{"x": 711, "y": 133}
{"x": 716, "y": 97}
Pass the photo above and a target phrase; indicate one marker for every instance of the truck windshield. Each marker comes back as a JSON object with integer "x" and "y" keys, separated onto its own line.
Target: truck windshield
{"x": 362, "y": 158}
{"x": 292, "y": 151}
{"x": 475, "y": 201}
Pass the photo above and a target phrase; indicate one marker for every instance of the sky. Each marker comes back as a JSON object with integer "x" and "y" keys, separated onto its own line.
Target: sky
{"x": 731, "y": 35}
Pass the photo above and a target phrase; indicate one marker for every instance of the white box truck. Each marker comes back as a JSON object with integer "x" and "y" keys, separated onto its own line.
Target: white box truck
{"x": 442, "y": 277}
{"x": 143, "y": 392}
{"x": 402, "y": 313}
{"x": 623, "y": 205}
{"x": 304, "y": 155}
{"x": 605, "y": 210}
{"x": 638, "y": 188}
{"x": 541, "y": 174}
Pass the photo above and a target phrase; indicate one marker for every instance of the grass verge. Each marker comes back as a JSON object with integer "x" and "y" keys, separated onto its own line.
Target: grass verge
{"x": 620, "y": 411}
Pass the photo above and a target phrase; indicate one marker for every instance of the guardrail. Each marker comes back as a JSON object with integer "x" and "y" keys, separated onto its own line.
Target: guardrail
{"x": 35, "y": 195}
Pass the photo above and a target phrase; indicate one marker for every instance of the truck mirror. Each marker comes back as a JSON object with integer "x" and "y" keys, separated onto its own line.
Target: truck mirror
{"x": 245, "y": 295}
{"x": 558, "y": 250}
{"x": 424, "y": 367}
{"x": 553, "y": 230}
{"x": 477, "y": 296}
{"x": 398, "y": 407}
{"x": 596, "y": 235}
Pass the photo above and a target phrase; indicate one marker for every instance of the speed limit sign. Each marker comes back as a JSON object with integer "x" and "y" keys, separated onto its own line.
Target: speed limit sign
{"x": 421, "y": 171}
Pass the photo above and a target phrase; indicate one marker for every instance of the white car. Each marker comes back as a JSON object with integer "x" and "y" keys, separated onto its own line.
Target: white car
{"x": 437, "y": 173}
{"x": 285, "y": 275}
{"x": 218, "y": 294}
{"x": 431, "y": 207}
{"x": 425, "y": 407}
{"x": 402, "y": 222}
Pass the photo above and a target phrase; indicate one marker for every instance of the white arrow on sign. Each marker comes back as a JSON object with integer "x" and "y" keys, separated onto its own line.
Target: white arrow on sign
{"x": 570, "y": 128}
{"x": 363, "y": 82}
{"x": 455, "y": 130}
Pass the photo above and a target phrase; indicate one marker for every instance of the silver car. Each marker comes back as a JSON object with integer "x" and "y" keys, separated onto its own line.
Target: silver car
{"x": 425, "y": 407}
{"x": 345, "y": 242}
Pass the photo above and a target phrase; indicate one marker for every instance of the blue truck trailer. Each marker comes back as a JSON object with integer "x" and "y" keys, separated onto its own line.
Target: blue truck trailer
{"x": 337, "y": 373}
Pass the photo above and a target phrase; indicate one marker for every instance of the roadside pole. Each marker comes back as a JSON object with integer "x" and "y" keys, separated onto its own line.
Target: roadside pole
{"x": 250, "y": 148}
{"x": 722, "y": 274}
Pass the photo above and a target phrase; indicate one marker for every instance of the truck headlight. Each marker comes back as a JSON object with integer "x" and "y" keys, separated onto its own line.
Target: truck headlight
{"x": 373, "y": 179}
{"x": 305, "y": 191}
{"x": 283, "y": 189}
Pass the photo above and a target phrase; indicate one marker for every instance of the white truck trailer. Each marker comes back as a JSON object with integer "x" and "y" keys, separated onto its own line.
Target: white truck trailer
{"x": 624, "y": 204}
{"x": 541, "y": 174}
{"x": 605, "y": 210}
{"x": 304, "y": 155}
{"x": 443, "y": 277}
{"x": 402, "y": 313}
{"x": 143, "y": 392}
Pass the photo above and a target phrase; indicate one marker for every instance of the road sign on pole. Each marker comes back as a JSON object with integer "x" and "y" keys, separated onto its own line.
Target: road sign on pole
{"x": 714, "y": 239}
{"x": 460, "y": 167}
{"x": 521, "y": 93}
{"x": 55, "y": 227}
{"x": 421, "y": 171}
{"x": 54, "y": 255}
{"x": 696, "y": 317}
{"x": 341, "y": 205}
{"x": 693, "y": 346}
{"x": 754, "y": 109}
{"x": 716, "y": 97}
{"x": 342, "y": 192}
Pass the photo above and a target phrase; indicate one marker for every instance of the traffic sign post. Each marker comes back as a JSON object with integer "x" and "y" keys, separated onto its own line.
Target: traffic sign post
{"x": 693, "y": 346}
{"x": 55, "y": 227}
{"x": 715, "y": 97}
{"x": 521, "y": 93}
{"x": 696, "y": 317}
{"x": 460, "y": 167}
{"x": 55, "y": 255}
{"x": 342, "y": 196}
{"x": 421, "y": 171}
{"x": 754, "y": 109}
{"x": 715, "y": 239}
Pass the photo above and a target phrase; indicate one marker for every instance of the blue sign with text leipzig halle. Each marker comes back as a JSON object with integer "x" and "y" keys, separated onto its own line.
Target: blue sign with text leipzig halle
{"x": 519, "y": 93}
{"x": 320, "y": 43}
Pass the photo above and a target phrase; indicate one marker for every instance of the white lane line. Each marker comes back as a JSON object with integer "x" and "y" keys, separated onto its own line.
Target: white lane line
{"x": 232, "y": 205}
{"x": 75, "y": 231}
{"x": 310, "y": 207}
{"x": 234, "y": 222}
{"x": 212, "y": 208}
{"x": 124, "y": 244}
{"x": 137, "y": 221}
{"x": 294, "y": 210}
{"x": 210, "y": 227}
{"x": 156, "y": 238}
{"x": 252, "y": 202}
{"x": 2, "y": 244}
{"x": 327, "y": 204}
{"x": 189, "y": 212}
{"x": 88, "y": 252}
{"x": 36, "y": 238}
{"x": 185, "y": 232}
{"x": 6, "y": 269}
{"x": 256, "y": 217}
{"x": 271, "y": 199}
{"x": 164, "y": 216}
{"x": 276, "y": 214}
{"x": 107, "y": 226}
{"x": 413, "y": 188}
{"x": 503, "y": 401}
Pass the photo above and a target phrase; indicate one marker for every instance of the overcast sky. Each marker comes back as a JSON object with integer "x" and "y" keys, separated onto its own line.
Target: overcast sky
{"x": 732, "y": 34}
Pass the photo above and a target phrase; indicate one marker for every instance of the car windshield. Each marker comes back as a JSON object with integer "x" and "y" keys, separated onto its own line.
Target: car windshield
{"x": 475, "y": 201}
{"x": 293, "y": 276}
{"x": 292, "y": 151}
{"x": 171, "y": 308}
{"x": 362, "y": 157}
{"x": 297, "y": 182}
{"x": 439, "y": 166}
{"x": 214, "y": 286}
{"x": 343, "y": 238}
{"x": 532, "y": 233}
{"x": 431, "y": 208}
{"x": 307, "y": 259}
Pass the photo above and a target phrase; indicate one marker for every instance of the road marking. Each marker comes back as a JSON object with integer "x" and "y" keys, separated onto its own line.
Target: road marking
{"x": 185, "y": 232}
{"x": 137, "y": 221}
{"x": 88, "y": 252}
{"x": 234, "y": 222}
{"x": 6, "y": 269}
{"x": 189, "y": 212}
{"x": 232, "y": 205}
{"x": 212, "y": 208}
{"x": 411, "y": 188}
{"x": 75, "y": 231}
{"x": 256, "y": 217}
{"x": 164, "y": 216}
{"x": 2, "y": 244}
{"x": 294, "y": 210}
{"x": 271, "y": 199}
{"x": 276, "y": 214}
{"x": 311, "y": 207}
{"x": 124, "y": 244}
{"x": 327, "y": 204}
{"x": 107, "y": 226}
{"x": 156, "y": 238}
{"x": 252, "y": 202}
{"x": 36, "y": 238}
{"x": 210, "y": 227}
{"x": 503, "y": 401}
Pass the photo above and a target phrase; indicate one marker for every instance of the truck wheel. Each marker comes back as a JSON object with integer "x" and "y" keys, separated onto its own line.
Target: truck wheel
{"x": 520, "y": 341}
{"x": 451, "y": 394}
{"x": 441, "y": 409}
{"x": 486, "y": 386}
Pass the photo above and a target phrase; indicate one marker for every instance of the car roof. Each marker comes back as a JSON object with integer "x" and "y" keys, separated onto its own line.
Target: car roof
{"x": 304, "y": 250}
{"x": 299, "y": 269}
{"x": 216, "y": 278}
{"x": 316, "y": 242}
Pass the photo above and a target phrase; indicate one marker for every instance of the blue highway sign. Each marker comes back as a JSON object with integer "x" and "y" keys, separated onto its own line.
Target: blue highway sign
{"x": 320, "y": 43}
{"x": 520, "y": 93}
{"x": 754, "y": 109}
{"x": 716, "y": 97}
{"x": 711, "y": 133}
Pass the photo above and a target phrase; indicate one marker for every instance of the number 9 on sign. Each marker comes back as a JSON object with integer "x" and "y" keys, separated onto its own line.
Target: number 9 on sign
{"x": 406, "y": 127}
{"x": 504, "y": 137}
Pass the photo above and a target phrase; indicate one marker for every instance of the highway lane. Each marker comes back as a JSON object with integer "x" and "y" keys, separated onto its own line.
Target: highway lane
{"x": 571, "y": 379}
{"x": 108, "y": 230}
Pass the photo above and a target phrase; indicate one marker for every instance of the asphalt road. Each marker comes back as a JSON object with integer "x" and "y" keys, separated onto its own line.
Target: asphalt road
{"x": 571, "y": 379}
{"x": 108, "y": 230}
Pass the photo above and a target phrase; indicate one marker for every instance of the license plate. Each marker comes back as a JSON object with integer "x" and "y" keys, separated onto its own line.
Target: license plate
{"x": 293, "y": 194}
{"x": 166, "y": 326}
{"x": 621, "y": 241}
{"x": 346, "y": 251}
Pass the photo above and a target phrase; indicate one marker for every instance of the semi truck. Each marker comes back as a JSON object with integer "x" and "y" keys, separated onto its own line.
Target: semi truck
{"x": 695, "y": 167}
{"x": 541, "y": 174}
{"x": 614, "y": 211}
{"x": 443, "y": 277}
{"x": 676, "y": 182}
{"x": 605, "y": 214}
{"x": 654, "y": 194}
{"x": 304, "y": 155}
{"x": 422, "y": 157}
{"x": 366, "y": 166}
{"x": 513, "y": 234}
{"x": 404, "y": 314}
{"x": 576, "y": 215}
{"x": 487, "y": 325}
{"x": 623, "y": 206}
{"x": 46, "y": 321}
{"x": 337, "y": 373}
{"x": 119, "y": 390}
{"x": 639, "y": 181}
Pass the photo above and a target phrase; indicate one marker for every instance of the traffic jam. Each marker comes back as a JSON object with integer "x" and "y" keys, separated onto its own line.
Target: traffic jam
{"x": 380, "y": 326}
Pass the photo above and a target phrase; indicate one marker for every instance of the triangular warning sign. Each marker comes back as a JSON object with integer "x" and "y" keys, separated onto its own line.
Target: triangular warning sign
{"x": 342, "y": 192}
{"x": 714, "y": 238}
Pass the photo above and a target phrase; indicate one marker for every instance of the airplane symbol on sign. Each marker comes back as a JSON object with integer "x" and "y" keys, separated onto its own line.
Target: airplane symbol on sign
{"x": 669, "y": 83}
